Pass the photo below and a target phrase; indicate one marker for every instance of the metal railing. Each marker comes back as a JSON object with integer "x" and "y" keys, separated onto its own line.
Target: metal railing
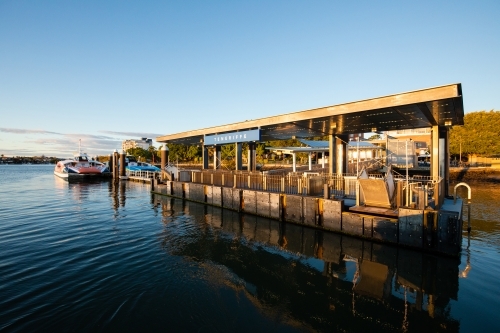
{"x": 144, "y": 174}
{"x": 307, "y": 183}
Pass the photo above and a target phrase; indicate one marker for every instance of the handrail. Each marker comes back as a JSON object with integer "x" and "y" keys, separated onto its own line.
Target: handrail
{"x": 455, "y": 192}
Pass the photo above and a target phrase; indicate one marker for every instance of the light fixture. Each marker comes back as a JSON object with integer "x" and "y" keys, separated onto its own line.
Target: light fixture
{"x": 447, "y": 123}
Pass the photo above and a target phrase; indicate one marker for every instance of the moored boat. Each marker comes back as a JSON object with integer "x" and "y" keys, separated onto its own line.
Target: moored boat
{"x": 131, "y": 164}
{"x": 80, "y": 167}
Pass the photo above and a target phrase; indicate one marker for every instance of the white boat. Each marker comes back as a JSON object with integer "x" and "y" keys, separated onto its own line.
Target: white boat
{"x": 81, "y": 167}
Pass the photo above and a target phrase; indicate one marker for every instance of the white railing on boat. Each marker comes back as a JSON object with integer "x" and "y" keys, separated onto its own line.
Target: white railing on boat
{"x": 144, "y": 174}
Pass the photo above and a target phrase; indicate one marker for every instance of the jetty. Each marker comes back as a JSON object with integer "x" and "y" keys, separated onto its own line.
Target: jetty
{"x": 409, "y": 210}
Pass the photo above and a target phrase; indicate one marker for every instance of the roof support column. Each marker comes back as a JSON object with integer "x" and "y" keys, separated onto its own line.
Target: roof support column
{"x": 251, "y": 157}
{"x": 239, "y": 159}
{"x": 294, "y": 161}
{"x": 331, "y": 151}
{"x": 310, "y": 161}
{"x": 217, "y": 157}
{"x": 440, "y": 163}
{"x": 323, "y": 159}
{"x": 204, "y": 155}
{"x": 341, "y": 158}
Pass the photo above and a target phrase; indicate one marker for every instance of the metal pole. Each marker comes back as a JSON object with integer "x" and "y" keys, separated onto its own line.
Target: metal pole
{"x": 357, "y": 158}
{"x": 407, "y": 181}
{"x": 460, "y": 157}
{"x": 386, "y": 150}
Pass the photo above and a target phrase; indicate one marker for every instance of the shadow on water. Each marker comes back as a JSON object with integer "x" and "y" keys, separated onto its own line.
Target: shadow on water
{"x": 323, "y": 280}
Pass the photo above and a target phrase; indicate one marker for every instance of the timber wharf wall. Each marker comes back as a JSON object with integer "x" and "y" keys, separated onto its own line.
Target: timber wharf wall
{"x": 427, "y": 230}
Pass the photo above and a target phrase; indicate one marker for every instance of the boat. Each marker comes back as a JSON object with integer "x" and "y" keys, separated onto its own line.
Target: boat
{"x": 131, "y": 164}
{"x": 81, "y": 166}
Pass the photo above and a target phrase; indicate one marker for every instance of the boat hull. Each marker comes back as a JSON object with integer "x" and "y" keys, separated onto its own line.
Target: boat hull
{"x": 82, "y": 176}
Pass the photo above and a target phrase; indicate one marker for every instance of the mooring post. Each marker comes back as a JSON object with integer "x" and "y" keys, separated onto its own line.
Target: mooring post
{"x": 110, "y": 163}
{"x": 115, "y": 164}
{"x": 122, "y": 163}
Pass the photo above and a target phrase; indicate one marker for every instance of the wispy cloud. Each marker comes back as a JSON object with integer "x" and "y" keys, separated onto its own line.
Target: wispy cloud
{"x": 36, "y": 142}
{"x": 134, "y": 134}
{"x": 25, "y": 131}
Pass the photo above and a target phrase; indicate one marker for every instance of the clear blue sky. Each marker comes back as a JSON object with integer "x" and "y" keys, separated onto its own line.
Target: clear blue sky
{"x": 104, "y": 71}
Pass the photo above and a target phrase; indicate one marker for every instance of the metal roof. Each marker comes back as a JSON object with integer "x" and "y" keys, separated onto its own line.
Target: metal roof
{"x": 429, "y": 107}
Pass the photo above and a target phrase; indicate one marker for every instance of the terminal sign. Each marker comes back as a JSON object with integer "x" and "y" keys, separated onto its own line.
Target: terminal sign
{"x": 233, "y": 137}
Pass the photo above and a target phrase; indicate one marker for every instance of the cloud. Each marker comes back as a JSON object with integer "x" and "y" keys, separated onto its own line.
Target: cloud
{"x": 38, "y": 142}
{"x": 25, "y": 131}
{"x": 71, "y": 142}
{"x": 133, "y": 134}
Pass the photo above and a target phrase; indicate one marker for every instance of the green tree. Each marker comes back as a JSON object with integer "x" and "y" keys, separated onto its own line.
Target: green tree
{"x": 375, "y": 137}
{"x": 153, "y": 151}
{"x": 479, "y": 135}
{"x": 193, "y": 152}
{"x": 139, "y": 153}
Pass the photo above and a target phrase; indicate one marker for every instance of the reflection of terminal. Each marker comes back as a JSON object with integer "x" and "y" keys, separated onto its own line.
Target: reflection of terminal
{"x": 273, "y": 256}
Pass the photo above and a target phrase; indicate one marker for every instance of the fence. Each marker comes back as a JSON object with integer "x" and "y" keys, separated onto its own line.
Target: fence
{"x": 414, "y": 190}
{"x": 307, "y": 183}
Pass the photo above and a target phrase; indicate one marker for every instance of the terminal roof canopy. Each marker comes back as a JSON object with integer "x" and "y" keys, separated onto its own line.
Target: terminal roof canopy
{"x": 438, "y": 106}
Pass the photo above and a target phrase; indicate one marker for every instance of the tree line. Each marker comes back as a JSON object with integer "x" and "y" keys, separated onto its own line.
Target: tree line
{"x": 479, "y": 135}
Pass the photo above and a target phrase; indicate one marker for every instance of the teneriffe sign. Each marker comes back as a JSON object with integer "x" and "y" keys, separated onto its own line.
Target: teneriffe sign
{"x": 232, "y": 137}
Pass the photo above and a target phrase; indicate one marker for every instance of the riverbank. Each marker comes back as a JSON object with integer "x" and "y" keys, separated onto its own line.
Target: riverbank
{"x": 474, "y": 175}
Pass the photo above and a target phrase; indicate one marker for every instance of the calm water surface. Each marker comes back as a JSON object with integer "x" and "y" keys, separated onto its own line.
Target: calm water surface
{"x": 98, "y": 257}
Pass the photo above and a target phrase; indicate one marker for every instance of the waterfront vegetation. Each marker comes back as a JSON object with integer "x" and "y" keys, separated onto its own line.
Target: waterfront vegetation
{"x": 28, "y": 160}
{"x": 478, "y": 136}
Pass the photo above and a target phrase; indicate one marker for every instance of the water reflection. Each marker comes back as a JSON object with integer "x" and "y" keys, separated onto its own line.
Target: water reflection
{"x": 80, "y": 190}
{"x": 117, "y": 193}
{"x": 323, "y": 280}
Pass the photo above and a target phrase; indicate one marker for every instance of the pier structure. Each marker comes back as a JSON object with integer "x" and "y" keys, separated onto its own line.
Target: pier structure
{"x": 405, "y": 211}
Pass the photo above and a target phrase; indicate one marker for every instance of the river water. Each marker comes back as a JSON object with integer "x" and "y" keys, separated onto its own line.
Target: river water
{"x": 100, "y": 257}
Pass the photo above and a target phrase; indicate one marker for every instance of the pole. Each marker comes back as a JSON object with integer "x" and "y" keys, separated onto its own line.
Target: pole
{"x": 386, "y": 149}
{"x": 357, "y": 158}
{"x": 407, "y": 201}
{"x": 460, "y": 155}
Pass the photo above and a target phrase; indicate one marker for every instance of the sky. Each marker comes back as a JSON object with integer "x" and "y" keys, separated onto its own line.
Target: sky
{"x": 105, "y": 71}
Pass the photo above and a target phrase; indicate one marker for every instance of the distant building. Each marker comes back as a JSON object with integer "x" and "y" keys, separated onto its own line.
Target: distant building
{"x": 355, "y": 136}
{"x": 422, "y": 136}
{"x": 143, "y": 143}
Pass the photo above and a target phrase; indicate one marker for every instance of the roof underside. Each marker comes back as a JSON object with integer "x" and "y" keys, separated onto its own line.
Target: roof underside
{"x": 442, "y": 106}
